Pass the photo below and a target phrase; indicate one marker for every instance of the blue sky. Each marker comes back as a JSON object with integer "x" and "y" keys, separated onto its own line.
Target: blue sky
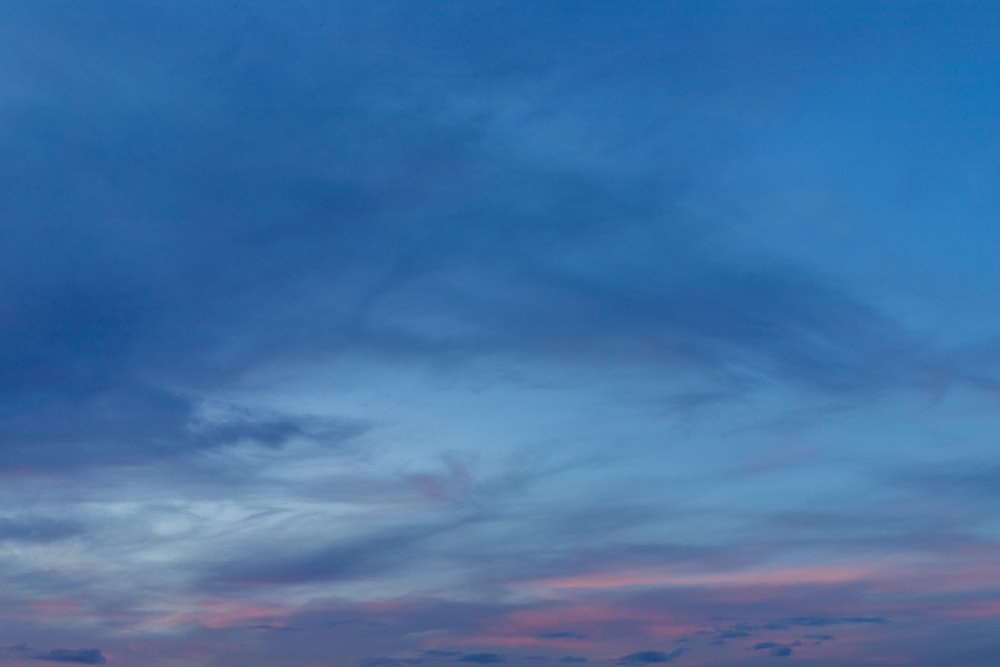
{"x": 381, "y": 334}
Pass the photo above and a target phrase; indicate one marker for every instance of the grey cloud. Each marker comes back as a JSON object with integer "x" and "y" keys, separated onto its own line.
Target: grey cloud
{"x": 83, "y": 656}
{"x": 560, "y": 635}
{"x": 572, "y": 658}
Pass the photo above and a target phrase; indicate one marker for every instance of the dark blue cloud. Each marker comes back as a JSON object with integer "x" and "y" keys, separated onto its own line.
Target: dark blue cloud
{"x": 820, "y": 621}
{"x": 388, "y": 661}
{"x": 269, "y": 627}
{"x": 649, "y": 657}
{"x": 199, "y": 211}
{"x": 773, "y": 648}
{"x": 37, "y": 529}
{"x": 971, "y": 481}
{"x": 482, "y": 658}
{"x": 83, "y": 656}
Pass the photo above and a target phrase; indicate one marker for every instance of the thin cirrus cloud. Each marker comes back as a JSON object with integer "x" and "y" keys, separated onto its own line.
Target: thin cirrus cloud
{"x": 467, "y": 333}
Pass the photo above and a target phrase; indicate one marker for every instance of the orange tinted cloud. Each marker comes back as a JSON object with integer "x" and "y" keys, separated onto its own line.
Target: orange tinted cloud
{"x": 218, "y": 613}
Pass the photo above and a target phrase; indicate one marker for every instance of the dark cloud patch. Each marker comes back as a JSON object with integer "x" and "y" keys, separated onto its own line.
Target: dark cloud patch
{"x": 137, "y": 423}
{"x": 649, "y": 657}
{"x": 37, "y": 529}
{"x": 821, "y": 638}
{"x": 482, "y": 658}
{"x": 365, "y": 555}
{"x": 572, "y": 658}
{"x": 388, "y": 661}
{"x": 969, "y": 481}
{"x": 773, "y": 648}
{"x": 764, "y": 645}
{"x": 731, "y": 634}
{"x": 268, "y": 627}
{"x": 274, "y": 432}
{"x": 238, "y": 210}
{"x": 355, "y": 621}
{"x": 83, "y": 656}
{"x": 821, "y": 621}
{"x": 270, "y": 433}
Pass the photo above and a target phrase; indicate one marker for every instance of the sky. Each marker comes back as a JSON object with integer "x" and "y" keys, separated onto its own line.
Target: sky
{"x": 384, "y": 333}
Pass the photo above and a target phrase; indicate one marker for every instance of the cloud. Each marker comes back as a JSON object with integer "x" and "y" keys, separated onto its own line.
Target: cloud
{"x": 560, "y": 635}
{"x": 774, "y": 648}
{"x": 572, "y": 658}
{"x": 371, "y": 552}
{"x": 972, "y": 481}
{"x": 643, "y": 657}
{"x": 83, "y": 656}
{"x": 481, "y": 658}
{"x": 207, "y": 208}
{"x": 439, "y": 653}
{"x": 269, "y": 627}
{"x": 820, "y": 621}
{"x": 339, "y": 226}
{"x": 37, "y": 529}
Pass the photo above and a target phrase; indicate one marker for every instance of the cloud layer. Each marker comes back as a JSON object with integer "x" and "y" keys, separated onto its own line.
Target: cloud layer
{"x": 468, "y": 334}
